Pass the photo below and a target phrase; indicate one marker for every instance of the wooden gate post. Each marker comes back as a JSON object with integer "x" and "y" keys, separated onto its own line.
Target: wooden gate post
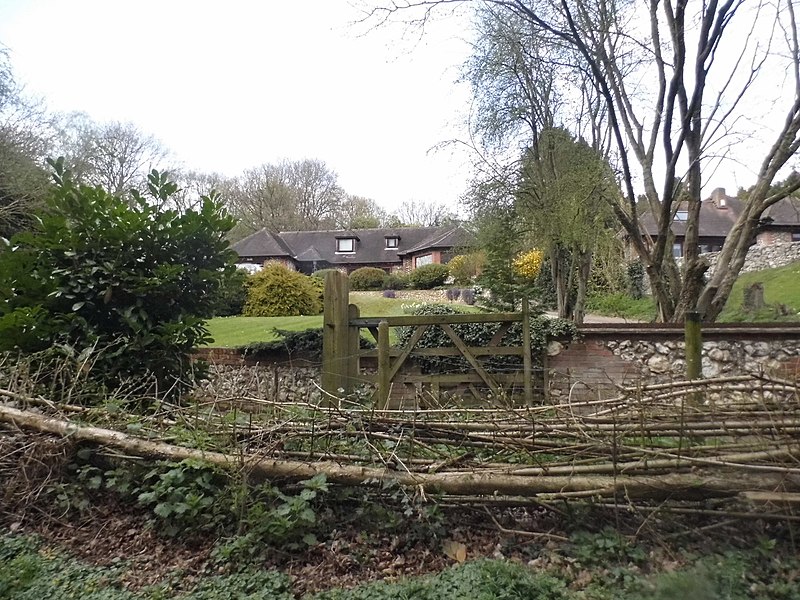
{"x": 527, "y": 362}
{"x": 384, "y": 366}
{"x": 336, "y": 348}
{"x": 694, "y": 348}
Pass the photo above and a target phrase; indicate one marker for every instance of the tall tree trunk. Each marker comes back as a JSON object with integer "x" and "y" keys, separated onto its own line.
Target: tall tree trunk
{"x": 584, "y": 269}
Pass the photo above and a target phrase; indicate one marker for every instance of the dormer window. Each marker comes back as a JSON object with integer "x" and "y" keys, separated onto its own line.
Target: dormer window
{"x": 682, "y": 215}
{"x": 345, "y": 244}
{"x": 392, "y": 242}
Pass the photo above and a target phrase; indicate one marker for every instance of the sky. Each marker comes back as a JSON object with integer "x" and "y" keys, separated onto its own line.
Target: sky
{"x": 228, "y": 86}
{"x": 231, "y": 85}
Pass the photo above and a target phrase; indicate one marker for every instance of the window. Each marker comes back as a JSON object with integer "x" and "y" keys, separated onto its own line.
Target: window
{"x": 682, "y": 215}
{"x": 392, "y": 242}
{"x": 796, "y": 236}
{"x": 677, "y": 249}
{"x": 425, "y": 259}
{"x": 345, "y": 245}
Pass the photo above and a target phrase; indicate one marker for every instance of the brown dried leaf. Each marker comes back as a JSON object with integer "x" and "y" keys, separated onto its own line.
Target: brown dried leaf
{"x": 455, "y": 550}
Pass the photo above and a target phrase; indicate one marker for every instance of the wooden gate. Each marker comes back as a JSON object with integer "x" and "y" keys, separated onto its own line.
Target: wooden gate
{"x": 341, "y": 370}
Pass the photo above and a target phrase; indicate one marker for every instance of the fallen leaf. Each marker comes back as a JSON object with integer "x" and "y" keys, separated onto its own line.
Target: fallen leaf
{"x": 455, "y": 550}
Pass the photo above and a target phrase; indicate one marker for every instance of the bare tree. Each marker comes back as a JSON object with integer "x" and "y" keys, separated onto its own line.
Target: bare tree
{"x": 292, "y": 195}
{"x": 262, "y": 197}
{"x": 417, "y": 213}
{"x": 673, "y": 80}
{"x": 116, "y": 156}
{"x": 317, "y": 193}
{"x": 357, "y": 212}
{"x": 26, "y": 136}
{"x": 192, "y": 187}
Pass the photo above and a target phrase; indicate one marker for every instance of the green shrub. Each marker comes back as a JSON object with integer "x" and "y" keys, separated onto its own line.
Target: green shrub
{"x": 395, "y": 281}
{"x": 635, "y": 276}
{"x": 367, "y": 278}
{"x": 276, "y": 291}
{"x": 307, "y": 342}
{"x": 477, "y": 580}
{"x": 119, "y": 282}
{"x": 322, "y": 273}
{"x": 232, "y": 294}
{"x": 464, "y": 268}
{"x": 428, "y": 277}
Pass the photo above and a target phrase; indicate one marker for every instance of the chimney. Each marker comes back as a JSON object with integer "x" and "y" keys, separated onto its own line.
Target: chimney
{"x": 719, "y": 198}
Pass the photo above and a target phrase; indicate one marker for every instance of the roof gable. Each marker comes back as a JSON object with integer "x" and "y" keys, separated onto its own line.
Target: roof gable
{"x": 261, "y": 243}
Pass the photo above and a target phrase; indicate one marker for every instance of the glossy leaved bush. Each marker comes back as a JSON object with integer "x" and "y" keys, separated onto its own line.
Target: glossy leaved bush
{"x": 119, "y": 282}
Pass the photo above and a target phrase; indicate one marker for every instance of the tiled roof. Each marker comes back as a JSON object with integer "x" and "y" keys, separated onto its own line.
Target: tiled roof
{"x": 784, "y": 213}
{"x": 717, "y": 218}
{"x": 261, "y": 243}
{"x": 370, "y": 247}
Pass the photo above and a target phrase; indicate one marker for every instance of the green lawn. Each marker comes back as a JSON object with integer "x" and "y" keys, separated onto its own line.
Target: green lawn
{"x": 781, "y": 286}
{"x": 230, "y": 332}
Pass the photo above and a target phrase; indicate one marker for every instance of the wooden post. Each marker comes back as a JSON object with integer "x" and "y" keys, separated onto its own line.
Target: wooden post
{"x": 353, "y": 349}
{"x": 335, "y": 335}
{"x": 527, "y": 363}
{"x": 384, "y": 366}
{"x": 694, "y": 349}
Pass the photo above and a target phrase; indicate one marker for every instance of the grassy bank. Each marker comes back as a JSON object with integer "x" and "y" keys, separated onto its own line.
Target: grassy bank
{"x": 781, "y": 289}
{"x": 781, "y": 294}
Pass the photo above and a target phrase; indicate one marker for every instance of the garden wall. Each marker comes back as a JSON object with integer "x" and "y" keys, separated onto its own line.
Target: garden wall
{"x": 765, "y": 257}
{"x": 611, "y": 355}
{"x": 606, "y": 357}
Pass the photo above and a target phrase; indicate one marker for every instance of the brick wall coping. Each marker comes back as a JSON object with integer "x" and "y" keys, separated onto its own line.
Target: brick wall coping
{"x": 764, "y": 331}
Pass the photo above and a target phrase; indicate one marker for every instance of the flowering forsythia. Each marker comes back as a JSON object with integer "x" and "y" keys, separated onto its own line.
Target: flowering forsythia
{"x": 528, "y": 264}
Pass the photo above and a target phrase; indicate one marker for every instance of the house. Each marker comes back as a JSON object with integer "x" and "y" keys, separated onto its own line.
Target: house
{"x": 780, "y": 223}
{"x": 390, "y": 249}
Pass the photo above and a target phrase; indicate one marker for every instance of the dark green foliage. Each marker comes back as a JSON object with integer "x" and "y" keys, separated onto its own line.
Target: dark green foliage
{"x": 27, "y": 574}
{"x": 428, "y": 277}
{"x": 29, "y": 571}
{"x": 123, "y": 284}
{"x": 245, "y": 585}
{"x": 232, "y": 294}
{"x": 395, "y": 281}
{"x": 477, "y": 580}
{"x": 307, "y": 343}
{"x": 323, "y": 272}
{"x": 543, "y": 329}
{"x": 191, "y": 497}
{"x": 635, "y": 273}
{"x": 368, "y": 278}
{"x": 276, "y": 291}
{"x": 499, "y": 235}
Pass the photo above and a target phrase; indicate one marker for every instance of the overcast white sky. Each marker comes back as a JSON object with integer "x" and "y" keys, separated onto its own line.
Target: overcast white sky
{"x": 235, "y": 84}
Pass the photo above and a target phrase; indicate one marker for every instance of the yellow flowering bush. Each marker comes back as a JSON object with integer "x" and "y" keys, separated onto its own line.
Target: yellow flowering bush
{"x": 465, "y": 267}
{"x": 528, "y": 264}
